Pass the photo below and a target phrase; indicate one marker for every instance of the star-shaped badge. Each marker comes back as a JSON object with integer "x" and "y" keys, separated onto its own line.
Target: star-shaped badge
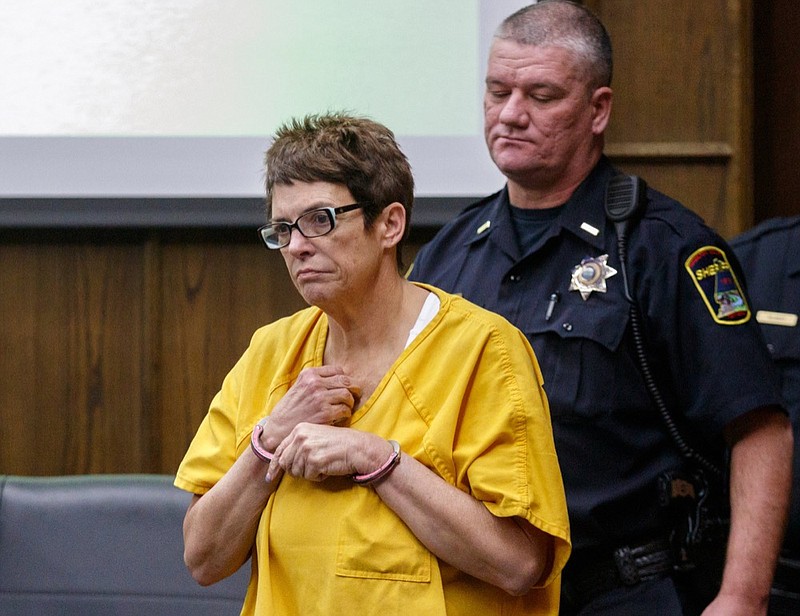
{"x": 591, "y": 275}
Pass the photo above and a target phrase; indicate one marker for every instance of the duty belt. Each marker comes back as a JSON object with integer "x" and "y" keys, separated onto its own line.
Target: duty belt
{"x": 588, "y": 575}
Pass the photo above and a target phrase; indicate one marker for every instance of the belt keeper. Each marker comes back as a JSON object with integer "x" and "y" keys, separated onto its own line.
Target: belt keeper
{"x": 626, "y": 566}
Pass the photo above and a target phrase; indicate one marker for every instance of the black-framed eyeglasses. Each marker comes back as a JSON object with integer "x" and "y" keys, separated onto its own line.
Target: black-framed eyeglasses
{"x": 314, "y": 223}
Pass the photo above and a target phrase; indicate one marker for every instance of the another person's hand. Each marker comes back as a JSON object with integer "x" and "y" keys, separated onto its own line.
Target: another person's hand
{"x": 314, "y": 452}
{"x": 321, "y": 395}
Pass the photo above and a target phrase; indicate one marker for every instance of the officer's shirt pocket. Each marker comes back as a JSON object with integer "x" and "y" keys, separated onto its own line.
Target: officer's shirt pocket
{"x": 585, "y": 371}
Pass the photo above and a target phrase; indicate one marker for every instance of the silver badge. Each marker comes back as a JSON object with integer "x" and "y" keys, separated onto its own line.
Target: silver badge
{"x": 591, "y": 275}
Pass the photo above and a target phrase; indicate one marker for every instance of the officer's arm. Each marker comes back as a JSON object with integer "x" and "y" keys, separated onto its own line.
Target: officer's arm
{"x": 761, "y": 477}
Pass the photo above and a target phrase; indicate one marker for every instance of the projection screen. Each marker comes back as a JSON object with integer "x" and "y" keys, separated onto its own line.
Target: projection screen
{"x": 156, "y": 104}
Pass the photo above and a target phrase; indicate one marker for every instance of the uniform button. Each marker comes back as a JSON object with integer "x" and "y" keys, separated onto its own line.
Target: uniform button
{"x": 514, "y": 277}
{"x": 567, "y": 327}
{"x": 771, "y": 348}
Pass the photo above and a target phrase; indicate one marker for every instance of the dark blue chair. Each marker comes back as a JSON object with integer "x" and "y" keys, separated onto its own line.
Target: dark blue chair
{"x": 101, "y": 544}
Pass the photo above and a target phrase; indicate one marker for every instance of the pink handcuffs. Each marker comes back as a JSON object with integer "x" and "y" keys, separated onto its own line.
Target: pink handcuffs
{"x": 380, "y": 472}
{"x": 255, "y": 442}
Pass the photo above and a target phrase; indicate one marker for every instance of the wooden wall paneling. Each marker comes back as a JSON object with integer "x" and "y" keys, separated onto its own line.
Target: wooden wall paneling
{"x": 71, "y": 323}
{"x": 741, "y": 185}
{"x": 682, "y": 101}
{"x": 106, "y": 317}
{"x": 690, "y": 182}
{"x": 20, "y": 426}
{"x": 150, "y": 360}
{"x": 214, "y": 296}
{"x": 776, "y": 137}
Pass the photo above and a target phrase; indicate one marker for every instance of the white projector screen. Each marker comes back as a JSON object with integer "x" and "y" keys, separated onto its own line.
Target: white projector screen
{"x": 171, "y": 99}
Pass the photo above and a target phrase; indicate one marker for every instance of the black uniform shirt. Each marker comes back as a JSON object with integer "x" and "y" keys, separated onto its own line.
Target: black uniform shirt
{"x": 705, "y": 349}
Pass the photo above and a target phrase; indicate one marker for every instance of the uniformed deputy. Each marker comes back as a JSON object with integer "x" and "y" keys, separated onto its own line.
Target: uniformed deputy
{"x": 770, "y": 257}
{"x": 542, "y": 253}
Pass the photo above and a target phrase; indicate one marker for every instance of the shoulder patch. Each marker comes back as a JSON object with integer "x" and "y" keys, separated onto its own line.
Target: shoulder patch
{"x": 712, "y": 275}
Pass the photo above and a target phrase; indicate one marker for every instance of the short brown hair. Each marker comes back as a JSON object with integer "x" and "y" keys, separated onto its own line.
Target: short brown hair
{"x": 343, "y": 149}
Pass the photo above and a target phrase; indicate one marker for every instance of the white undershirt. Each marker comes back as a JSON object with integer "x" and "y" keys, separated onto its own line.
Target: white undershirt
{"x": 429, "y": 310}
